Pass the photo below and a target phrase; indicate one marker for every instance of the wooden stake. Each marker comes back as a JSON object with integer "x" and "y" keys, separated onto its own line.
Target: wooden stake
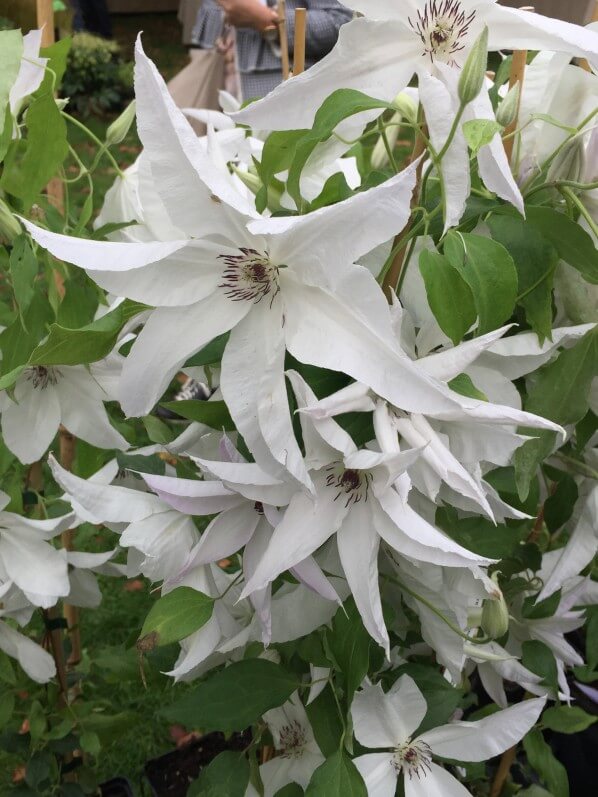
{"x": 71, "y": 613}
{"x": 300, "y": 39}
{"x": 284, "y": 42}
{"x": 55, "y": 639}
{"x": 517, "y": 77}
{"x": 506, "y": 762}
{"x": 584, "y": 64}
{"x": 45, "y": 21}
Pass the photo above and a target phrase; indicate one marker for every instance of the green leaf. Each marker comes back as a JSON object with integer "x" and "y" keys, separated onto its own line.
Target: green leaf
{"x": 480, "y": 132}
{"x": 37, "y": 721}
{"x": 7, "y": 706}
{"x": 559, "y": 506}
{"x": 277, "y": 155}
{"x": 464, "y": 385}
{"x": 336, "y": 777}
{"x": 567, "y": 719}
{"x": 90, "y": 742}
{"x": 39, "y": 769}
{"x": 480, "y": 535}
{"x": 542, "y": 610}
{"x": 541, "y": 758}
{"x": 349, "y": 644}
{"x": 210, "y": 354}
{"x": 290, "y": 790}
{"x": 11, "y": 52}
{"x": 234, "y": 698}
{"x": 536, "y": 260}
{"x": 538, "y": 658}
{"x": 336, "y": 189}
{"x": 139, "y": 462}
{"x": 592, "y": 637}
{"x": 80, "y": 302}
{"x": 28, "y": 170}
{"x": 574, "y": 245}
{"x": 157, "y": 430}
{"x": 214, "y": 414}
{"x": 57, "y": 54}
{"x": 325, "y": 721}
{"x": 341, "y": 104}
{"x": 87, "y": 344}
{"x": 226, "y": 776}
{"x": 7, "y": 673}
{"x": 175, "y": 616}
{"x": 560, "y": 393}
{"x": 488, "y": 269}
{"x": 449, "y": 296}
{"x": 442, "y": 699}
{"x": 23, "y": 271}
{"x": 17, "y": 344}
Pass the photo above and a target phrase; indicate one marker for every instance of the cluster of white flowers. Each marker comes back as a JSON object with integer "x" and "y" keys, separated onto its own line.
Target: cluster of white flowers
{"x": 306, "y": 516}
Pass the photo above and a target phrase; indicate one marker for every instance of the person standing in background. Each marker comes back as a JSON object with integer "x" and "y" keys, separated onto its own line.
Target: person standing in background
{"x": 257, "y": 50}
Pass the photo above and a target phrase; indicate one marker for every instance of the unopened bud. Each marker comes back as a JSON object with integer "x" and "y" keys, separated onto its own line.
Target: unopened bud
{"x": 121, "y": 126}
{"x": 570, "y": 163}
{"x": 509, "y": 107}
{"x": 406, "y": 106}
{"x": 9, "y": 226}
{"x": 473, "y": 73}
{"x": 495, "y": 614}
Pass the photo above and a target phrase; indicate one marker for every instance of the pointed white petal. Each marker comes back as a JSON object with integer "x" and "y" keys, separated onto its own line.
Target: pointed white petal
{"x": 449, "y": 363}
{"x": 30, "y": 423}
{"x": 225, "y": 535}
{"x": 37, "y": 663}
{"x": 378, "y": 773}
{"x": 250, "y": 481}
{"x": 486, "y": 738}
{"x": 170, "y": 336}
{"x": 435, "y": 782}
{"x": 192, "y": 497}
{"x": 311, "y": 575}
{"x": 34, "y": 565}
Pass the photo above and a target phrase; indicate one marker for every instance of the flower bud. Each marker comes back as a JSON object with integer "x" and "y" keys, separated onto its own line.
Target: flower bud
{"x": 121, "y": 126}
{"x": 495, "y": 614}
{"x": 9, "y": 226}
{"x": 473, "y": 73}
{"x": 570, "y": 163}
{"x": 406, "y": 106}
{"x": 509, "y": 107}
{"x": 254, "y": 183}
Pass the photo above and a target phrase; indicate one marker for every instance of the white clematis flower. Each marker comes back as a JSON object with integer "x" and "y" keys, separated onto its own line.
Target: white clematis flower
{"x": 354, "y": 500}
{"x": 297, "y": 753}
{"x": 282, "y": 283}
{"x": 46, "y": 397}
{"x": 31, "y": 72}
{"x": 27, "y": 558}
{"x": 380, "y": 53}
{"x": 390, "y": 720}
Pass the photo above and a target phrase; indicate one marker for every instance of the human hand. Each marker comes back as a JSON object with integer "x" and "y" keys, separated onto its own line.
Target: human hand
{"x": 249, "y": 14}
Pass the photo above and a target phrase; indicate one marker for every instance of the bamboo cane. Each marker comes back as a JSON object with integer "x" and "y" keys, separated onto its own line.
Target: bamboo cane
{"x": 584, "y": 64}
{"x": 284, "y": 42}
{"x": 71, "y": 613}
{"x": 300, "y": 41}
{"x": 516, "y": 78}
{"x": 45, "y": 21}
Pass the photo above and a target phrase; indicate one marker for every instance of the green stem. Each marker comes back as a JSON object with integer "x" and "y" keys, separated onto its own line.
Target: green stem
{"x": 96, "y": 141}
{"x": 388, "y": 148}
{"x": 406, "y": 262}
{"x": 577, "y": 464}
{"x": 535, "y": 285}
{"x": 558, "y": 184}
{"x": 437, "y": 612}
{"x": 575, "y": 200}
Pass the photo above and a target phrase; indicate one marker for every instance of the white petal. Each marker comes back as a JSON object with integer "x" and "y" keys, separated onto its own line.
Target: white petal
{"x": 380, "y": 71}
{"x": 225, "y": 535}
{"x": 310, "y": 573}
{"x": 436, "y": 782}
{"x": 253, "y": 386}
{"x": 306, "y": 525}
{"x": 29, "y": 426}
{"x": 358, "y": 545}
{"x": 449, "y": 363}
{"x": 196, "y": 648}
{"x": 166, "y": 540}
{"x": 37, "y": 663}
{"x": 388, "y": 720}
{"x": 379, "y": 774}
{"x": 34, "y": 565}
{"x": 280, "y": 771}
{"x": 192, "y": 497}
{"x": 105, "y": 503}
{"x": 335, "y": 236}
{"x": 440, "y": 110}
{"x": 486, "y": 738}
{"x": 250, "y": 481}
{"x": 172, "y": 335}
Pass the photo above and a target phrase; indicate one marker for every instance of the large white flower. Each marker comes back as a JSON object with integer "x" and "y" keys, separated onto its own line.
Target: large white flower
{"x": 379, "y": 54}
{"x": 355, "y": 500}
{"x": 27, "y": 558}
{"x": 390, "y": 720}
{"x": 284, "y": 282}
{"x": 45, "y": 398}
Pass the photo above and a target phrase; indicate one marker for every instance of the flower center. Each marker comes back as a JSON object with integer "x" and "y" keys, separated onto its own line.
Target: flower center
{"x": 292, "y": 740}
{"x": 414, "y": 759}
{"x": 249, "y": 276}
{"x": 442, "y": 26}
{"x": 41, "y": 377}
{"x": 353, "y": 485}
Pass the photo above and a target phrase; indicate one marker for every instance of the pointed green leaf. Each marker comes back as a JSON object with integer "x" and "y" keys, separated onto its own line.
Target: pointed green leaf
{"x": 175, "y": 616}
{"x": 213, "y": 413}
{"x": 541, "y": 758}
{"x": 567, "y": 719}
{"x": 449, "y": 296}
{"x": 337, "y": 777}
{"x": 226, "y": 776}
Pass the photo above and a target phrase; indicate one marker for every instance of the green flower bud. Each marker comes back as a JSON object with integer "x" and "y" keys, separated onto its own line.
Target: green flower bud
{"x": 406, "y": 107}
{"x": 570, "y": 163}
{"x": 473, "y": 73}
{"x": 121, "y": 126}
{"x": 254, "y": 183}
{"x": 495, "y": 614}
{"x": 509, "y": 107}
{"x": 9, "y": 226}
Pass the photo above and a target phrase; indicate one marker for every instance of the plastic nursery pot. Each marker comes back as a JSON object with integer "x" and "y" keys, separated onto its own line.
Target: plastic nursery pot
{"x": 117, "y": 787}
{"x": 171, "y": 775}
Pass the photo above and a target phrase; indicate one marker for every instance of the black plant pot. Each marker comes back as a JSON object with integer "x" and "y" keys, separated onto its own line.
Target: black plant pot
{"x": 171, "y": 775}
{"x": 117, "y": 787}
